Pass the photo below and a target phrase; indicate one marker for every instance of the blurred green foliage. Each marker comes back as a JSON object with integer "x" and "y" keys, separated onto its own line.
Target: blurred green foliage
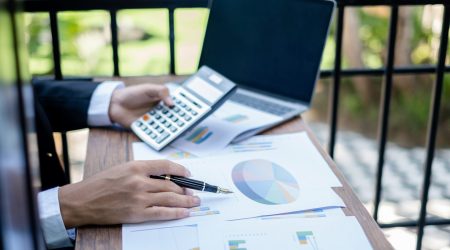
{"x": 144, "y": 50}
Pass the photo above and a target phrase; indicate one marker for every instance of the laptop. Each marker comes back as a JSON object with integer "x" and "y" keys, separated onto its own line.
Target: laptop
{"x": 272, "y": 49}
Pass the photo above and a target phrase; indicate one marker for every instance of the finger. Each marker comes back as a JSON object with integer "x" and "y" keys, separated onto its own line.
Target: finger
{"x": 161, "y": 167}
{"x": 158, "y": 92}
{"x": 168, "y": 199}
{"x": 188, "y": 191}
{"x": 165, "y": 213}
{"x": 157, "y": 186}
{"x": 168, "y": 101}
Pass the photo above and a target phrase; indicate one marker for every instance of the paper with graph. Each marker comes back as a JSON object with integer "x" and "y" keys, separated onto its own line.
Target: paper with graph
{"x": 278, "y": 181}
{"x": 294, "y": 234}
{"x": 207, "y": 138}
{"x": 186, "y": 237}
{"x": 174, "y": 238}
{"x": 294, "y": 150}
{"x": 228, "y": 122}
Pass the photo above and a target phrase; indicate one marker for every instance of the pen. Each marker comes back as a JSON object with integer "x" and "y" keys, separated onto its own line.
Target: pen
{"x": 192, "y": 184}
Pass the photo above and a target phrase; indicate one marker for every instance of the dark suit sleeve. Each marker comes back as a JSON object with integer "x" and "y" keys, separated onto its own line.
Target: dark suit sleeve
{"x": 65, "y": 102}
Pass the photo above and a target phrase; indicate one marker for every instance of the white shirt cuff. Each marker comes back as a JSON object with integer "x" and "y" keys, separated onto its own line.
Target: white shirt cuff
{"x": 98, "y": 114}
{"x": 52, "y": 224}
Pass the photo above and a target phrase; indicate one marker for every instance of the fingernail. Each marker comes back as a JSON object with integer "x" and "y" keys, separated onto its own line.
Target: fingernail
{"x": 185, "y": 213}
{"x": 188, "y": 173}
{"x": 197, "y": 200}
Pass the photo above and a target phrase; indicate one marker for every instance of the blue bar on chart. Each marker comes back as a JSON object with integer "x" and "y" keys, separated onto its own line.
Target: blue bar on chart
{"x": 236, "y": 245}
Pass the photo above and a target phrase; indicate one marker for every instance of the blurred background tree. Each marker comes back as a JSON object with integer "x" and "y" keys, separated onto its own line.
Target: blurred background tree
{"x": 144, "y": 50}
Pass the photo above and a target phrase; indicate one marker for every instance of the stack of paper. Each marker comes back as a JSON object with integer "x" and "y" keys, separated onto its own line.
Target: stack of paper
{"x": 281, "y": 184}
{"x": 230, "y": 123}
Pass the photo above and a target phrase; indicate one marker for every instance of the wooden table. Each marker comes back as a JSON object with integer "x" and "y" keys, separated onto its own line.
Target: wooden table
{"x": 108, "y": 148}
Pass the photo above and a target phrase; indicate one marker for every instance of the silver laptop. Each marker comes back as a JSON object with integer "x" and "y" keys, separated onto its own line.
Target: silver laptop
{"x": 272, "y": 49}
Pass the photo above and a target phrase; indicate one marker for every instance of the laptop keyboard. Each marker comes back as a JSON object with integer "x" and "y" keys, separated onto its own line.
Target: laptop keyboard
{"x": 260, "y": 104}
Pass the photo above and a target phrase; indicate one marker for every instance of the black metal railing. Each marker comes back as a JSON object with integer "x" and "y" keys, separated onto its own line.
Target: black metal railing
{"x": 53, "y": 7}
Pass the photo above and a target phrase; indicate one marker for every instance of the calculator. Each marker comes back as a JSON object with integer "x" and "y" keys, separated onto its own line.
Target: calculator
{"x": 198, "y": 96}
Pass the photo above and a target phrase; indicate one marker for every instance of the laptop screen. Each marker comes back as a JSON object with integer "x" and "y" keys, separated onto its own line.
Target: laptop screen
{"x": 273, "y": 45}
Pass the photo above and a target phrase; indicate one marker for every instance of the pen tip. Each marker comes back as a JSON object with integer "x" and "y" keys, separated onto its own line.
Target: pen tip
{"x": 225, "y": 191}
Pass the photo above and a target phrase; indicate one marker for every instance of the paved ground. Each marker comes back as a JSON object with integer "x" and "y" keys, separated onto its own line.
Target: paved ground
{"x": 356, "y": 156}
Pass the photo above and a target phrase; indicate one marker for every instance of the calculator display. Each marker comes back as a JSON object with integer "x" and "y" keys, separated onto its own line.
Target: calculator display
{"x": 204, "y": 89}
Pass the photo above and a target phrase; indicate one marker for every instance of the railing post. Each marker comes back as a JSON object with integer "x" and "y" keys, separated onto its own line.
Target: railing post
{"x": 58, "y": 76}
{"x": 114, "y": 42}
{"x": 334, "y": 93}
{"x": 55, "y": 45}
{"x": 384, "y": 108}
{"x": 433, "y": 125}
{"x": 172, "y": 40}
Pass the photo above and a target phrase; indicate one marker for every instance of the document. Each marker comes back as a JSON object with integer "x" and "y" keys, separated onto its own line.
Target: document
{"x": 229, "y": 122}
{"x": 209, "y": 137}
{"x": 186, "y": 237}
{"x": 174, "y": 238}
{"x": 296, "y": 234}
{"x": 279, "y": 181}
{"x": 295, "y": 150}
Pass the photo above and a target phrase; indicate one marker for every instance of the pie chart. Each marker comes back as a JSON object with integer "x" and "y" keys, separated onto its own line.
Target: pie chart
{"x": 265, "y": 182}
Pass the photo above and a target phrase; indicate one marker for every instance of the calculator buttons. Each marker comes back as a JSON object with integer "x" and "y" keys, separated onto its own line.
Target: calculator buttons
{"x": 146, "y": 117}
{"x": 163, "y": 123}
{"x": 162, "y": 137}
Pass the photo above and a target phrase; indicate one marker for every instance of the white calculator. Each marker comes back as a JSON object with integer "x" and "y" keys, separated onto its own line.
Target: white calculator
{"x": 194, "y": 100}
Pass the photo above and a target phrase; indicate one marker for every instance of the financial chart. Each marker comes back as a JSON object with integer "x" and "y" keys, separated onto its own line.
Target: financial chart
{"x": 265, "y": 182}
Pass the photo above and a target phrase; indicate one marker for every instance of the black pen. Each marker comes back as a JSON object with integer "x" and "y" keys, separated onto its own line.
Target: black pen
{"x": 192, "y": 184}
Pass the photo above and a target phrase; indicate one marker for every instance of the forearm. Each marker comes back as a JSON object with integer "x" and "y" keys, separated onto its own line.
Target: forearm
{"x": 65, "y": 103}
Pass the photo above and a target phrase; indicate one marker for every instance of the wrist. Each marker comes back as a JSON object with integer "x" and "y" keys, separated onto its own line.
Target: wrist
{"x": 73, "y": 212}
{"x": 114, "y": 102}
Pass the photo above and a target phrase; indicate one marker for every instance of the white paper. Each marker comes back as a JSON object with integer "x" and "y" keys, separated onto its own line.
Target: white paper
{"x": 295, "y": 234}
{"x": 186, "y": 237}
{"x": 219, "y": 129}
{"x": 299, "y": 188}
{"x": 307, "y": 214}
{"x": 210, "y": 136}
{"x": 244, "y": 116}
{"x": 175, "y": 238}
{"x": 296, "y": 151}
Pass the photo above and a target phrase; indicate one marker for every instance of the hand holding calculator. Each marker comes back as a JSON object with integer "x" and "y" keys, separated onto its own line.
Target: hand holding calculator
{"x": 200, "y": 95}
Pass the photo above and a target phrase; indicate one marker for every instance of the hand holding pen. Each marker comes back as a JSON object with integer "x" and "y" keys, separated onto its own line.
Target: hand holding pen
{"x": 192, "y": 184}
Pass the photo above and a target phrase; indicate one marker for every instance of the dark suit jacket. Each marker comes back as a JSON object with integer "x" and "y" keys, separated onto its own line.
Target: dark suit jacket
{"x": 60, "y": 106}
